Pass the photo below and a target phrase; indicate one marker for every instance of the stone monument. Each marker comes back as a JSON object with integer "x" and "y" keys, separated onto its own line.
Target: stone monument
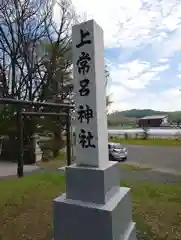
{"x": 94, "y": 206}
{"x": 37, "y": 150}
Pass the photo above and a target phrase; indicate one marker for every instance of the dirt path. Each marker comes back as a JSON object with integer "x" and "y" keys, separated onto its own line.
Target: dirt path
{"x": 10, "y": 169}
{"x": 150, "y": 176}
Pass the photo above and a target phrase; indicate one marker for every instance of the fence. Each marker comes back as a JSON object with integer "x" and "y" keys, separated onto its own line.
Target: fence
{"x": 151, "y": 133}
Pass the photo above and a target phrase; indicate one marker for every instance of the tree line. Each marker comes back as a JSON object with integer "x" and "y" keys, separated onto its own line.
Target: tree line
{"x": 35, "y": 63}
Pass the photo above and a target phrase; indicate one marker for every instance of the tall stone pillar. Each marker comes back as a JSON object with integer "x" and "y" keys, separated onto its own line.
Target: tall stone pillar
{"x": 94, "y": 206}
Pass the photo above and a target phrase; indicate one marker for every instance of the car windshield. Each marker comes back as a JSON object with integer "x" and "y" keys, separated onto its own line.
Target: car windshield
{"x": 117, "y": 146}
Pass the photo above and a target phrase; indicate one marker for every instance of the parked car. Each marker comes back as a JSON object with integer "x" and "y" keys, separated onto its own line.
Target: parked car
{"x": 117, "y": 152}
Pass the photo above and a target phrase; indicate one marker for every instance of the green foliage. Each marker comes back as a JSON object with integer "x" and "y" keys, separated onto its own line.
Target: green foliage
{"x": 118, "y": 119}
{"x": 148, "y": 142}
{"x": 139, "y": 113}
{"x": 130, "y": 117}
{"x": 125, "y": 136}
{"x": 175, "y": 116}
{"x": 145, "y": 134}
{"x": 8, "y": 121}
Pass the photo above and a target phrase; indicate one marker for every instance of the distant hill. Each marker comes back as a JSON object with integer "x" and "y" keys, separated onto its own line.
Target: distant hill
{"x": 139, "y": 113}
{"x": 130, "y": 117}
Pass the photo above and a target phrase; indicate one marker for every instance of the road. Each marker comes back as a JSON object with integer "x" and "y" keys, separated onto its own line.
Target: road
{"x": 10, "y": 169}
{"x": 165, "y": 159}
{"x": 162, "y": 158}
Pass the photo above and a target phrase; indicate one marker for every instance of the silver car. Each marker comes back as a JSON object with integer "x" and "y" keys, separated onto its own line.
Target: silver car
{"x": 117, "y": 152}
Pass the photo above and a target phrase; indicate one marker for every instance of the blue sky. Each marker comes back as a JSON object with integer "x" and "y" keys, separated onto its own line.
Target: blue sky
{"x": 142, "y": 49}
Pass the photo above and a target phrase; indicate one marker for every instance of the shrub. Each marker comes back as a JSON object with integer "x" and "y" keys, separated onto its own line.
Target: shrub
{"x": 126, "y": 136}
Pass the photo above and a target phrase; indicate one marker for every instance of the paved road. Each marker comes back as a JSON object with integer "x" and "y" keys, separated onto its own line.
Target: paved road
{"x": 164, "y": 158}
{"x": 10, "y": 169}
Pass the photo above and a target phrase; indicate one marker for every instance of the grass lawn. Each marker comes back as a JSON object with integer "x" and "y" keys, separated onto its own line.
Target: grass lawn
{"x": 148, "y": 142}
{"x": 26, "y": 209}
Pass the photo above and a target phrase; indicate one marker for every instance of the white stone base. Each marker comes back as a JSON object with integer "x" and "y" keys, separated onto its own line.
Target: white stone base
{"x": 74, "y": 219}
{"x": 130, "y": 233}
{"x": 38, "y": 152}
{"x": 38, "y": 157}
{"x": 62, "y": 169}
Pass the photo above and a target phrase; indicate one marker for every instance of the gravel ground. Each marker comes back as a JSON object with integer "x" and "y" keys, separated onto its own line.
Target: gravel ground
{"x": 150, "y": 176}
{"x": 127, "y": 175}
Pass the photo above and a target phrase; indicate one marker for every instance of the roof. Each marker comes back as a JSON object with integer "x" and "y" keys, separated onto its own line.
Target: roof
{"x": 155, "y": 117}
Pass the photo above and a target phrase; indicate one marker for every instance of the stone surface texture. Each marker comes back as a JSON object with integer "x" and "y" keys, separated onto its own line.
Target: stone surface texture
{"x": 96, "y": 99}
{"x": 75, "y": 219}
{"x": 96, "y": 185}
{"x": 94, "y": 206}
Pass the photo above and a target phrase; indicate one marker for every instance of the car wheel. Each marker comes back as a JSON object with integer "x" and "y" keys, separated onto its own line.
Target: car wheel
{"x": 124, "y": 159}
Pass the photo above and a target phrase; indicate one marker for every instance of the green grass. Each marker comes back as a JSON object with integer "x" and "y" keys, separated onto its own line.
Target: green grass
{"x": 148, "y": 142}
{"x": 133, "y": 167}
{"x": 26, "y": 207}
{"x": 157, "y": 210}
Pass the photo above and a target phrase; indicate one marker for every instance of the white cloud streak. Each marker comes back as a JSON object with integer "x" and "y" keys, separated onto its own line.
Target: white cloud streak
{"x": 133, "y": 24}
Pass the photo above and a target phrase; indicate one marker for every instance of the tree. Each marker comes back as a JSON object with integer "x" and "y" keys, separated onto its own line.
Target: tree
{"x": 145, "y": 133}
{"x": 35, "y": 58}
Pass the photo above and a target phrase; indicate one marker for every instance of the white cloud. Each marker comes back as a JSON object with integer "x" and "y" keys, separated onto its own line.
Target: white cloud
{"x": 129, "y": 87}
{"x": 163, "y": 60}
{"x": 129, "y": 74}
{"x": 179, "y": 67}
{"x": 160, "y": 68}
{"x": 145, "y": 100}
{"x": 172, "y": 20}
{"x": 109, "y": 15}
{"x": 132, "y": 24}
{"x": 119, "y": 96}
{"x": 171, "y": 45}
{"x": 135, "y": 74}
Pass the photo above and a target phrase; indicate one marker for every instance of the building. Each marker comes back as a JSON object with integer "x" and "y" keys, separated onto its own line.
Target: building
{"x": 153, "y": 121}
